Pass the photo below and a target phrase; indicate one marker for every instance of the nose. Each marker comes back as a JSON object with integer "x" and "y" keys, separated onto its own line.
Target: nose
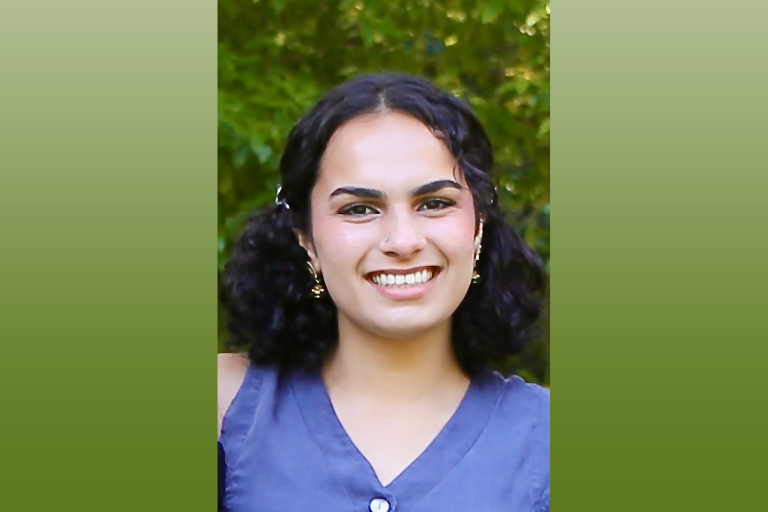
{"x": 401, "y": 235}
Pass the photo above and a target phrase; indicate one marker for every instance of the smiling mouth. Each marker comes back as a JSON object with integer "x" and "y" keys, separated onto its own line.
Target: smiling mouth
{"x": 404, "y": 279}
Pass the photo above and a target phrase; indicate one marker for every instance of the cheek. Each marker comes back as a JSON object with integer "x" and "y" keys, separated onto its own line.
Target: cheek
{"x": 458, "y": 235}
{"x": 339, "y": 243}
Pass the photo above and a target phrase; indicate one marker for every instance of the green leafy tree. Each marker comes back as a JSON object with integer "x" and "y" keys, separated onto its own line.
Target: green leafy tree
{"x": 277, "y": 57}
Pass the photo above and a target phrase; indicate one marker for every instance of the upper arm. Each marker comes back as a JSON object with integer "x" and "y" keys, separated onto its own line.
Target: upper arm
{"x": 231, "y": 372}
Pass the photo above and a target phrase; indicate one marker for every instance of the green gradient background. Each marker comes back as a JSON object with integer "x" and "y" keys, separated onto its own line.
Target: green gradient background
{"x": 108, "y": 202}
{"x": 659, "y": 247}
{"x": 108, "y": 215}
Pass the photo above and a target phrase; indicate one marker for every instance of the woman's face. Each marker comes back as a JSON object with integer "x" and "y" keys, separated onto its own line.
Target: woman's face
{"x": 393, "y": 227}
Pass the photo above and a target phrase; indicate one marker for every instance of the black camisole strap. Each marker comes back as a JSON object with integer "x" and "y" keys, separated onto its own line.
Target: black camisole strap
{"x": 222, "y": 477}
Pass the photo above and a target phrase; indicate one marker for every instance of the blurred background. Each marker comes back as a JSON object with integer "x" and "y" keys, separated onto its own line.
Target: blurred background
{"x": 277, "y": 57}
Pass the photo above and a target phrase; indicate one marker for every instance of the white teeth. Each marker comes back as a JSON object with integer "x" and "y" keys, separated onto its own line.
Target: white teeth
{"x": 419, "y": 277}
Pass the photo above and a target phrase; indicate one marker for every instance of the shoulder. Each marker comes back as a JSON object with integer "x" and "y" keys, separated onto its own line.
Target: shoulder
{"x": 524, "y": 401}
{"x": 526, "y": 406}
{"x": 534, "y": 400}
{"x": 518, "y": 389}
{"x": 231, "y": 370}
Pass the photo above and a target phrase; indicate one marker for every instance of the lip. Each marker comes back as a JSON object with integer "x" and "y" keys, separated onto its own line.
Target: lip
{"x": 410, "y": 292}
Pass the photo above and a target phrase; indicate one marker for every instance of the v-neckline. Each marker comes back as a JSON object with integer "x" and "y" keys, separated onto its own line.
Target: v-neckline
{"x": 443, "y": 453}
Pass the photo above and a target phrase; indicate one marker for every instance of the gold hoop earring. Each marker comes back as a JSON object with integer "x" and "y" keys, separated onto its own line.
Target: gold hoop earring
{"x": 475, "y": 273}
{"x": 318, "y": 289}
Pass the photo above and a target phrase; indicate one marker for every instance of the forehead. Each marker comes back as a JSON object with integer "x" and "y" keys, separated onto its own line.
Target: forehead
{"x": 390, "y": 152}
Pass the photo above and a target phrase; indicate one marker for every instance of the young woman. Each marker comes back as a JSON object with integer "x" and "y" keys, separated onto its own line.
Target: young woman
{"x": 371, "y": 299}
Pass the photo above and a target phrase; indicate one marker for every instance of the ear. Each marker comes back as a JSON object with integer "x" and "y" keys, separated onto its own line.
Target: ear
{"x": 308, "y": 246}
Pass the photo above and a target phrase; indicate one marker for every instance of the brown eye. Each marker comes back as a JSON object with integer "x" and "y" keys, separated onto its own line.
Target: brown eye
{"x": 358, "y": 210}
{"x": 436, "y": 204}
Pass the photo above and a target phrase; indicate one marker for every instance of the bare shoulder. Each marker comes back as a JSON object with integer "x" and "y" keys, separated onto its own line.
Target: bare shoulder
{"x": 231, "y": 372}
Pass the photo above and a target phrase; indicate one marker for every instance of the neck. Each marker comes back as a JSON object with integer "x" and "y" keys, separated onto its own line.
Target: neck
{"x": 384, "y": 370}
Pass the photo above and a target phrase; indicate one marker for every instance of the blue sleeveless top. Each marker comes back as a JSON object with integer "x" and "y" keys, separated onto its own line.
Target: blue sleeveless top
{"x": 287, "y": 451}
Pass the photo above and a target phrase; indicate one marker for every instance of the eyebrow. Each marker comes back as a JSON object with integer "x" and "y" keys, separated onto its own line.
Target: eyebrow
{"x": 370, "y": 193}
{"x": 367, "y": 193}
{"x": 434, "y": 187}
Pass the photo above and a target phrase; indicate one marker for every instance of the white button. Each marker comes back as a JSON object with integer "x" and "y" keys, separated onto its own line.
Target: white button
{"x": 378, "y": 505}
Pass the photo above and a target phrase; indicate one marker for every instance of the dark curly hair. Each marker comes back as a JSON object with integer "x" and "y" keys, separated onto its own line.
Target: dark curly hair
{"x": 266, "y": 287}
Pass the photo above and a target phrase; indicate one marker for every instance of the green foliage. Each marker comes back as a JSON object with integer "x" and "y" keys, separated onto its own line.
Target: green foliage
{"x": 277, "y": 57}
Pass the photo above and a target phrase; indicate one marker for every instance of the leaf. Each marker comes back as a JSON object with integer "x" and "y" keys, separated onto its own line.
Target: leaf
{"x": 262, "y": 151}
{"x": 543, "y": 128}
{"x": 278, "y": 5}
{"x": 241, "y": 156}
{"x": 367, "y": 34}
{"x": 491, "y": 10}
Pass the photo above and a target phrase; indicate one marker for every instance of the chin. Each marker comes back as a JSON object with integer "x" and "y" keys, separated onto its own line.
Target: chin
{"x": 397, "y": 329}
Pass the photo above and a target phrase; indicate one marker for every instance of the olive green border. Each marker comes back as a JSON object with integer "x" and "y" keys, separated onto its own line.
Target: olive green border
{"x": 659, "y": 250}
{"x": 108, "y": 213}
{"x": 108, "y": 210}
